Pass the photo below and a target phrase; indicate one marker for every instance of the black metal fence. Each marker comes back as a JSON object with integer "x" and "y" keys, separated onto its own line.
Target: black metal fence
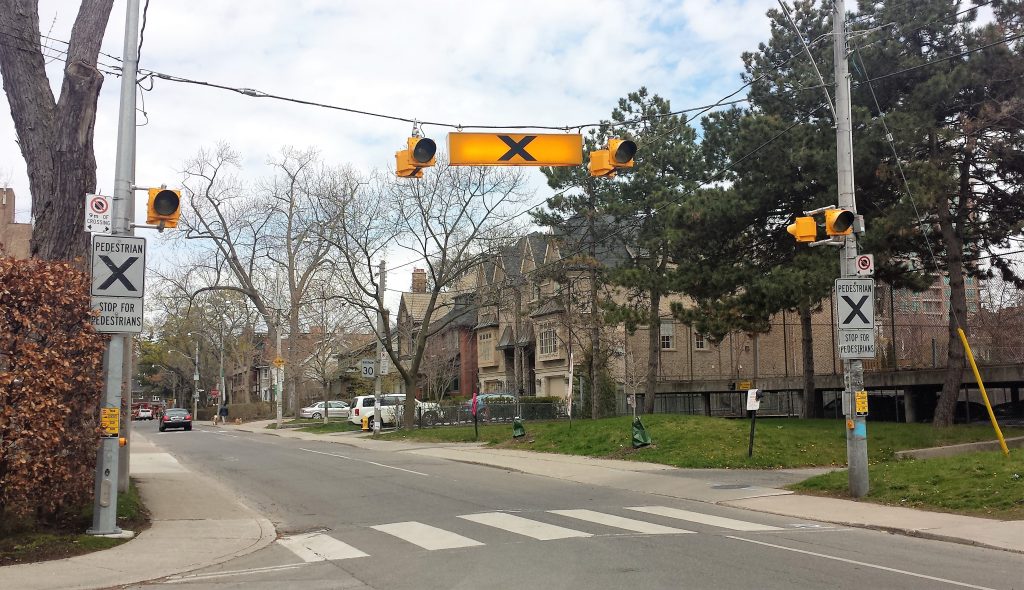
{"x": 461, "y": 414}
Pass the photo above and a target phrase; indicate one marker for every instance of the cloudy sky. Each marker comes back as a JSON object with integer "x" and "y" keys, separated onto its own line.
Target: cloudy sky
{"x": 530, "y": 62}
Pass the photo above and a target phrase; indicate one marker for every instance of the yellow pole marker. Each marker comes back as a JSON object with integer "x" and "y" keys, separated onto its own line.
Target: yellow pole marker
{"x": 984, "y": 395}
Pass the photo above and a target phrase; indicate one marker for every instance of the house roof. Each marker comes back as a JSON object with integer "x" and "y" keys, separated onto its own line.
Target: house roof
{"x": 415, "y": 304}
{"x": 549, "y": 307}
{"x": 506, "y": 339}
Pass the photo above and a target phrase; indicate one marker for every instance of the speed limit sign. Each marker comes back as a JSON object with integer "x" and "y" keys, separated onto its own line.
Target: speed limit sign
{"x": 865, "y": 264}
{"x": 367, "y": 368}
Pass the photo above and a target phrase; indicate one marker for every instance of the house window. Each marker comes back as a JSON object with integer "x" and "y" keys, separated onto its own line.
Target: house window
{"x": 698, "y": 341}
{"x": 668, "y": 336}
{"x": 486, "y": 348}
{"x": 548, "y": 341}
{"x": 536, "y": 292}
{"x": 932, "y": 306}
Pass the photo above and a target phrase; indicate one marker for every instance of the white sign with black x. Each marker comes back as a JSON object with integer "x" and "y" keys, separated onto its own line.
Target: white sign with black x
{"x": 855, "y": 316}
{"x": 118, "y": 266}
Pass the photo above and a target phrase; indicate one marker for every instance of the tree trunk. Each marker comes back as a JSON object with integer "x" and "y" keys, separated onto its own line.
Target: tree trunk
{"x": 945, "y": 410}
{"x": 653, "y": 349}
{"x": 294, "y": 356}
{"x": 812, "y": 406}
{"x": 56, "y": 138}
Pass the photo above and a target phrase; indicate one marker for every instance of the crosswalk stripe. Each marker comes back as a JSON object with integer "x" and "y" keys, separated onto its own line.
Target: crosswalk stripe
{"x": 718, "y": 521}
{"x": 310, "y": 547}
{"x": 523, "y": 526}
{"x": 619, "y": 522}
{"x": 426, "y": 536}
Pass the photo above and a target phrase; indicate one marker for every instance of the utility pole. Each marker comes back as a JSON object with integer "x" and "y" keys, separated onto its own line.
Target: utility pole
{"x": 279, "y": 384}
{"x": 377, "y": 385}
{"x": 104, "y": 519}
{"x": 195, "y": 383}
{"x": 853, "y": 369}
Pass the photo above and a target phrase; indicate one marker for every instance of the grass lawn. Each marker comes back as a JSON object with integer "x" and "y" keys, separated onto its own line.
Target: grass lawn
{"x": 296, "y": 422}
{"x": 702, "y": 442}
{"x": 985, "y": 484}
{"x": 69, "y": 540}
{"x": 318, "y": 427}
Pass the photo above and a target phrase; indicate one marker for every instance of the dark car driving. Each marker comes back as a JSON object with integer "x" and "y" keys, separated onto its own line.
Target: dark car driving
{"x": 176, "y": 418}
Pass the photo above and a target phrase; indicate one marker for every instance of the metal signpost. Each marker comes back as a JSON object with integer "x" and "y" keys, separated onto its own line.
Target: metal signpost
{"x": 122, "y": 278}
{"x": 853, "y": 368}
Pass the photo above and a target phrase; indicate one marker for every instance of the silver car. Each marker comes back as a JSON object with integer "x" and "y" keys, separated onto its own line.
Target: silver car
{"x": 335, "y": 409}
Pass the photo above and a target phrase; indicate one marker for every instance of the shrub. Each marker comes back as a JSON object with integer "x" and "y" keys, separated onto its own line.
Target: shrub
{"x": 50, "y": 387}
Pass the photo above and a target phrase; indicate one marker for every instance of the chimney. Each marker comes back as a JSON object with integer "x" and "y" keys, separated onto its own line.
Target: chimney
{"x": 419, "y": 280}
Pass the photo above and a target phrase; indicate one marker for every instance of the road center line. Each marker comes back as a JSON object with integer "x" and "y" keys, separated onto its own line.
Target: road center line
{"x": 365, "y": 461}
{"x": 862, "y": 563}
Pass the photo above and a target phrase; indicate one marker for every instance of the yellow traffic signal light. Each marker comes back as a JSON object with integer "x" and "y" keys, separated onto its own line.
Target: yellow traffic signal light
{"x": 409, "y": 163}
{"x": 803, "y": 229}
{"x": 838, "y": 222}
{"x": 621, "y": 152}
{"x": 164, "y": 207}
{"x": 618, "y": 154}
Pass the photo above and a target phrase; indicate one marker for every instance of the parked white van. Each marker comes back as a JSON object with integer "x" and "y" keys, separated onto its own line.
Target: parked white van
{"x": 390, "y": 407}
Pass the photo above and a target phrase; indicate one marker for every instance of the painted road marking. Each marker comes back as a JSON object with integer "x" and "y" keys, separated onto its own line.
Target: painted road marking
{"x": 256, "y": 570}
{"x": 312, "y": 547}
{"x": 426, "y": 536}
{"x": 865, "y": 564}
{"x": 365, "y": 461}
{"x": 524, "y": 526}
{"x": 619, "y": 522}
{"x": 718, "y": 521}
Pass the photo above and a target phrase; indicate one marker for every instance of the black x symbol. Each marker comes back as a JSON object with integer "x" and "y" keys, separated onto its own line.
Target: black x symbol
{"x": 855, "y": 307}
{"x": 517, "y": 147}
{"x": 117, "y": 272}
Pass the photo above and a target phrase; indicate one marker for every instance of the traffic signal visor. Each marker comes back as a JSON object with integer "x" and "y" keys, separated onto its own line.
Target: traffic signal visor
{"x": 410, "y": 162}
{"x": 621, "y": 152}
{"x": 164, "y": 207}
{"x": 838, "y": 222}
{"x": 803, "y": 229}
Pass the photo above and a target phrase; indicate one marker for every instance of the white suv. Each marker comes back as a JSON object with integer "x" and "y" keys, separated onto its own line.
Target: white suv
{"x": 390, "y": 407}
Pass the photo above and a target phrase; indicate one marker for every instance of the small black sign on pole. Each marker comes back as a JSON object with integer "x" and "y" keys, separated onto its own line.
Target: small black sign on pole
{"x": 753, "y": 404}
{"x": 753, "y": 421}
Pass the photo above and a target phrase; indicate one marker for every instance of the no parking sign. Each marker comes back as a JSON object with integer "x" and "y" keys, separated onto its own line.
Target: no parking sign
{"x": 865, "y": 264}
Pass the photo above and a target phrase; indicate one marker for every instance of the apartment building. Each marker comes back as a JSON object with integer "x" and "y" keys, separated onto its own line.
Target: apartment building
{"x": 14, "y": 237}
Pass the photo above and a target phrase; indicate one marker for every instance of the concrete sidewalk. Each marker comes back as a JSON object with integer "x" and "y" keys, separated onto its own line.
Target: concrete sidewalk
{"x": 184, "y": 536}
{"x": 740, "y": 488}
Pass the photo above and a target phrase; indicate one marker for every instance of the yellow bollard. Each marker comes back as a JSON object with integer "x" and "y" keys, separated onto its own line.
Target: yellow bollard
{"x": 984, "y": 395}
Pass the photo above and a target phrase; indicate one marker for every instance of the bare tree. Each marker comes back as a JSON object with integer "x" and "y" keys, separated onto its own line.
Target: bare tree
{"x": 262, "y": 240}
{"x": 55, "y": 136}
{"x": 447, "y": 221}
{"x": 329, "y": 320}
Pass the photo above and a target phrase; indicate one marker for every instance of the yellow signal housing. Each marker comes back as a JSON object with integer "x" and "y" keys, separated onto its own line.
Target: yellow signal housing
{"x": 621, "y": 152}
{"x": 410, "y": 162}
{"x": 839, "y": 222}
{"x": 618, "y": 154}
{"x": 803, "y": 229}
{"x": 600, "y": 165}
{"x": 164, "y": 207}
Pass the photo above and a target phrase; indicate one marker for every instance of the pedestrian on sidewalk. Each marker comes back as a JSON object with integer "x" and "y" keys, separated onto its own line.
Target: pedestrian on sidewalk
{"x": 223, "y": 413}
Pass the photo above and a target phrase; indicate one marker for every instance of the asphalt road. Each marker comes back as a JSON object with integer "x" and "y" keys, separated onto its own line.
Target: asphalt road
{"x": 354, "y": 518}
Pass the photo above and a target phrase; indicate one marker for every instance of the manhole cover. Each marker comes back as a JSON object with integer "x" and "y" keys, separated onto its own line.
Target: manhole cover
{"x": 730, "y": 486}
